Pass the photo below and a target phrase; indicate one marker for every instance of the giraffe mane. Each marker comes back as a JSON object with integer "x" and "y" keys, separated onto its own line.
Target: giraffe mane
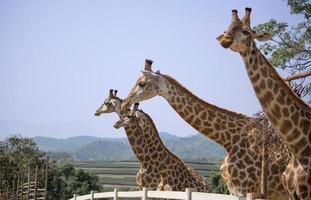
{"x": 283, "y": 85}
{"x": 201, "y": 101}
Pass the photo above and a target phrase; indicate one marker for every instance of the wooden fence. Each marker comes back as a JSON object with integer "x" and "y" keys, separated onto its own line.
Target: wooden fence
{"x": 29, "y": 188}
{"x": 189, "y": 194}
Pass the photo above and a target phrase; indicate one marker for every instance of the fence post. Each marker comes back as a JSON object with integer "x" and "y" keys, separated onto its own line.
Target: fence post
{"x": 242, "y": 198}
{"x": 75, "y": 196}
{"x": 92, "y": 195}
{"x": 145, "y": 193}
{"x": 253, "y": 196}
{"x": 13, "y": 189}
{"x": 28, "y": 187}
{"x": 17, "y": 189}
{"x": 188, "y": 193}
{"x": 115, "y": 194}
{"x": 22, "y": 185}
{"x": 46, "y": 178}
{"x": 36, "y": 180}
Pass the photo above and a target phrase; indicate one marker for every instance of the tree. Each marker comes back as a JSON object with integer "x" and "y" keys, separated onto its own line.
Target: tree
{"x": 290, "y": 48}
{"x": 64, "y": 181}
{"x": 18, "y": 153}
{"x": 218, "y": 184}
{"x": 77, "y": 181}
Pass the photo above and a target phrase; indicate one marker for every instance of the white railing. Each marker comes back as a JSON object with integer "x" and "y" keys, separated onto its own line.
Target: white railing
{"x": 189, "y": 194}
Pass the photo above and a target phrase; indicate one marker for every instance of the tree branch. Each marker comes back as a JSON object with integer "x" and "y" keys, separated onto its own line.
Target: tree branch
{"x": 297, "y": 76}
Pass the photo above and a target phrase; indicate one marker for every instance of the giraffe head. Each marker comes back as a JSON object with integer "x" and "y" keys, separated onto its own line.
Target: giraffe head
{"x": 111, "y": 104}
{"x": 239, "y": 36}
{"x": 127, "y": 119}
{"x": 146, "y": 87}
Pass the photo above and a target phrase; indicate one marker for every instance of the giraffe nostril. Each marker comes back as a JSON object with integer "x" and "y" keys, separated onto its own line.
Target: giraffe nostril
{"x": 116, "y": 125}
{"x": 228, "y": 36}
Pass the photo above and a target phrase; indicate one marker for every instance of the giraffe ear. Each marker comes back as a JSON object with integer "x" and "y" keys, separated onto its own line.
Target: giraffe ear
{"x": 262, "y": 36}
{"x": 150, "y": 75}
{"x": 136, "y": 105}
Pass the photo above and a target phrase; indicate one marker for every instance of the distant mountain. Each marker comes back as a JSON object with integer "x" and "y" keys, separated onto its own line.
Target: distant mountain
{"x": 10, "y": 127}
{"x": 196, "y": 147}
{"x": 69, "y": 145}
{"x": 168, "y": 136}
{"x": 104, "y": 150}
{"x": 94, "y": 148}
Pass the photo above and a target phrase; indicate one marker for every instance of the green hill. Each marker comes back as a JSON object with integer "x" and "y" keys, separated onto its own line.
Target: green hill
{"x": 195, "y": 147}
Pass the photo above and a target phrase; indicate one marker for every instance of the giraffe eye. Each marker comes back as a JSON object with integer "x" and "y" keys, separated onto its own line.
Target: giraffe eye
{"x": 245, "y": 32}
{"x": 142, "y": 84}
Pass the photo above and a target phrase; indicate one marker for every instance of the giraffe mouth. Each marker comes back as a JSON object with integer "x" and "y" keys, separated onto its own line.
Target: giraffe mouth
{"x": 117, "y": 125}
{"x": 225, "y": 41}
{"x": 97, "y": 113}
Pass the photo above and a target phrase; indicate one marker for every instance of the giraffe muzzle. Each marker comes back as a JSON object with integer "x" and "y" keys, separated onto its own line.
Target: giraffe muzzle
{"x": 97, "y": 113}
{"x": 117, "y": 125}
{"x": 225, "y": 41}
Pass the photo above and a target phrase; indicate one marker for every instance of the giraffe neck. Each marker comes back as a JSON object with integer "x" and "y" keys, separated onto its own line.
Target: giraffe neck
{"x": 136, "y": 140}
{"x": 221, "y": 125}
{"x": 158, "y": 151}
{"x": 288, "y": 114}
{"x": 137, "y": 143}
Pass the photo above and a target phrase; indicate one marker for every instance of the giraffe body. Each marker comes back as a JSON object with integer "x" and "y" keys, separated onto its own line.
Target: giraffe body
{"x": 148, "y": 175}
{"x": 175, "y": 175}
{"x": 288, "y": 114}
{"x": 242, "y": 167}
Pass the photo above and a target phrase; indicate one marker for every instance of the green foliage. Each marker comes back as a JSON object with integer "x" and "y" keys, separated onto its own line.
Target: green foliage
{"x": 218, "y": 184}
{"x": 77, "y": 181}
{"x": 56, "y": 183}
{"x": 18, "y": 153}
{"x": 300, "y": 7}
{"x": 64, "y": 181}
{"x": 290, "y": 48}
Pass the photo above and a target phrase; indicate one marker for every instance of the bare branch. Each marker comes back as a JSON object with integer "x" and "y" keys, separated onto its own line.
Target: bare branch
{"x": 297, "y": 76}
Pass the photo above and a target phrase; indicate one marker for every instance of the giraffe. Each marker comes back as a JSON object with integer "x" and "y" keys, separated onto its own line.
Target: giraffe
{"x": 175, "y": 175}
{"x": 288, "y": 114}
{"x": 148, "y": 175}
{"x": 241, "y": 169}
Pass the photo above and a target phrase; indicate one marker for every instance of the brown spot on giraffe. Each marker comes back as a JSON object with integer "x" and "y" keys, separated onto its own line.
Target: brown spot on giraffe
{"x": 255, "y": 78}
{"x": 262, "y": 85}
{"x": 276, "y": 111}
{"x": 285, "y": 112}
{"x": 269, "y": 83}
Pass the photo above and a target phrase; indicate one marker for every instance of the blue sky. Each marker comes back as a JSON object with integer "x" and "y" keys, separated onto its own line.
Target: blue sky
{"x": 58, "y": 59}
